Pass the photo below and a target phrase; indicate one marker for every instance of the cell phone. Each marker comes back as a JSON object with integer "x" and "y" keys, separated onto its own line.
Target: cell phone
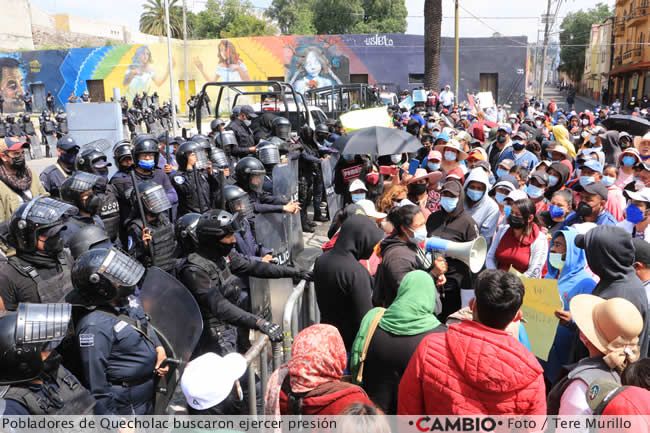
{"x": 388, "y": 170}
{"x": 414, "y": 164}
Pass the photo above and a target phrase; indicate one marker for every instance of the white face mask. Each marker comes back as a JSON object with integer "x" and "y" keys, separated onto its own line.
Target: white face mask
{"x": 585, "y": 122}
{"x": 450, "y": 155}
{"x": 247, "y": 122}
{"x": 419, "y": 235}
{"x": 395, "y": 158}
{"x": 555, "y": 260}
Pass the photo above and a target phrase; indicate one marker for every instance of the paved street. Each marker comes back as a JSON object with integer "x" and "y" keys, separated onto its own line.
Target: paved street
{"x": 581, "y": 104}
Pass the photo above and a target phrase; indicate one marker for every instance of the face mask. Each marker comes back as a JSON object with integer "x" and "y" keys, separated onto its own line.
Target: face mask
{"x": 433, "y": 166}
{"x": 633, "y": 214}
{"x": 584, "y": 210}
{"x": 68, "y": 158}
{"x": 417, "y": 189}
{"x": 501, "y": 139}
{"x": 538, "y": 123}
{"x": 592, "y": 139}
{"x": 247, "y": 122}
{"x": 103, "y": 172}
{"x": 585, "y": 122}
{"x": 516, "y": 222}
{"x": 500, "y": 197}
{"x": 553, "y": 180}
{"x": 629, "y": 161}
{"x": 608, "y": 180}
{"x": 556, "y": 211}
{"x": 474, "y": 194}
{"x": 358, "y": 197}
{"x": 506, "y": 210}
{"x": 450, "y": 155}
{"x": 431, "y": 125}
{"x": 501, "y": 172}
{"x": 395, "y": 158}
{"x": 53, "y": 246}
{"x": 555, "y": 260}
{"x": 518, "y": 146}
{"x": 222, "y": 250}
{"x": 147, "y": 164}
{"x": 449, "y": 203}
{"x": 419, "y": 235}
{"x": 534, "y": 191}
{"x": 587, "y": 180}
{"x": 92, "y": 205}
{"x": 18, "y": 163}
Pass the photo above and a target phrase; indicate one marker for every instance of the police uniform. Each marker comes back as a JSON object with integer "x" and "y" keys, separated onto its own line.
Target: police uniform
{"x": 73, "y": 224}
{"x": 162, "y": 250}
{"x": 118, "y": 357}
{"x": 245, "y": 138}
{"x": 110, "y": 211}
{"x": 194, "y": 189}
{"x": 52, "y": 178}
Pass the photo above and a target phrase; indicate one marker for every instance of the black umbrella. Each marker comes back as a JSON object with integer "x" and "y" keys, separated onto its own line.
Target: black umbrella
{"x": 633, "y": 125}
{"x": 378, "y": 141}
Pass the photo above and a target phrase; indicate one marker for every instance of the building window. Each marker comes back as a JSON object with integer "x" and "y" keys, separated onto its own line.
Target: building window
{"x": 416, "y": 78}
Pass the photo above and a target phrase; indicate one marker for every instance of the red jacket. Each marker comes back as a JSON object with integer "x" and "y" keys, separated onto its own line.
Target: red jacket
{"x": 471, "y": 370}
{"x": 331, "y": 398}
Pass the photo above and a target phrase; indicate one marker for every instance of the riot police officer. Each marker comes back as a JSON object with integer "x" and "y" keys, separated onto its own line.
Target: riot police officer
{"x": 241, "y": 127}
{"x": 269, "y": 154}
{"x": 310, "y": 183}
{"x": 281, "y": 128}
{"x": 152, "y": 242}
{"x": 40, "y": 270}
{"x": 120, "y": 351}
{"x": 122, "y": 184}
{"x": 194, "y": 187}
{"x": 86, "y": 238}
{"x": 91, "y": 160}
{"x": 185, "y": 232}
{"x": 30, "y": 366}
{"x": 208, "y": 273}
{"x": 79, "y": 191}
{"x": 54, "y": 175}
{"x": 237, "y": 202}
{"x": 216, "y": 126}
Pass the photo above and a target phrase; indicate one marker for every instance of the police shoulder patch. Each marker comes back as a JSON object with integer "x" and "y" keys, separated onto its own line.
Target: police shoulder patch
{"x": 179, "y": 180}
{"x": 86, "y": 340}
{"x": 119, "y": 326}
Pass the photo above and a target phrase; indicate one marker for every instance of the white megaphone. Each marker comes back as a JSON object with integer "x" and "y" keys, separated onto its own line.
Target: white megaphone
{"x": 471, "y": 253}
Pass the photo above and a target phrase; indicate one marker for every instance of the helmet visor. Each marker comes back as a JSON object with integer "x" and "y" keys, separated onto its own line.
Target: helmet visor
{"x": 226, "y": 138}
{"x": 269, "y": 154}
{"x": 45, "y": 325}
{"x": 155, "y": 200}
{"x": 120, "y": 269}
{"x": 242, "y": 205}
{"x": 218, "y": 158}
{"x": 82, "y": 181}
{"x": 201, "y": 160}
{"x": 45, "y": 210}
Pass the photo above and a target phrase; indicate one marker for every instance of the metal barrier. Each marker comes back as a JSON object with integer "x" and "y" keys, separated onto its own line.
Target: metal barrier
{"x": 260, "y": 351}
{"x": 300, "y": 311}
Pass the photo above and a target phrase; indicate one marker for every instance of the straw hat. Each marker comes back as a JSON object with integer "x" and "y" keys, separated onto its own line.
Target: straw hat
{"x": 421, "y": 173}
{"x": 455, "y": 145}
{"x": 611, "y": 325}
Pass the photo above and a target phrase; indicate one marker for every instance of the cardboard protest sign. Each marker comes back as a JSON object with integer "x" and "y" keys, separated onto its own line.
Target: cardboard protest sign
{"x": 541, "y": 301}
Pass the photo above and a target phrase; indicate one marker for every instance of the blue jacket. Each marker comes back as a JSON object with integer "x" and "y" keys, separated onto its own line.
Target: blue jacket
{"x": 527, "y": 159}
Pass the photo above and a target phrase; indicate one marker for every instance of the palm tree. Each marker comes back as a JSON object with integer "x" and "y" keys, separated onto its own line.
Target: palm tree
{"x": 152, "y": 20}
{"x": 432, "y": 27}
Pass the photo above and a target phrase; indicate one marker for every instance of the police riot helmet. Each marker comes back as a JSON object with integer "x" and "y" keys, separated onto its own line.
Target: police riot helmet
{"x": 10, "y": 118}
{"x": 225, "y": 139}
{"x": 153, "y": 196}
{"x": 215, "y": 123}
{"x": 26, "y": 118}
{"x": 322, "y": 131}
{"x": 121, "y": 150}
{"x": 75, "y": 186}
{"x": 67, "y": 143}
{"x": 250, "y": 174}
{"x": 219, "y": 158}
{"x": 237, "y": 201}
{"x": 102, "y": 274}
{"x": 185, "y": 150}
{"x": 281, "y": 127}
{"x": 145, "y": 144}
{"x": 185, "y": 231}
{"x": 45, "y": 113}
{"x": 268, "y": 153}
{"x": 213, "y": 226}
{"x": 88, "y": 237}
{"x": 201, "y": 139}
{"x": 92, "y": 160}
{"x": 25, "y": 333}
{"x": 39, "y": 216}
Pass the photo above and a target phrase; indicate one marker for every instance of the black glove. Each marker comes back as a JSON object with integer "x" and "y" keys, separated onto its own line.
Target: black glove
{"x": 300, "y": 275}
{"x": 273, "y": 330}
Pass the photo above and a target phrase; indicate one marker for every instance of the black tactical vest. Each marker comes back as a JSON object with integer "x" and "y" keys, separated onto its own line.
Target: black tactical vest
{"x": 110, "y": 213}
{"x": 163, "y": 245}
{"x": 52, "y": 290}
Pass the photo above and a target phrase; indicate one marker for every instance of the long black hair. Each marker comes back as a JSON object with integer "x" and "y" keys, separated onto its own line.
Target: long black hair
{"x": 402, "y": 217}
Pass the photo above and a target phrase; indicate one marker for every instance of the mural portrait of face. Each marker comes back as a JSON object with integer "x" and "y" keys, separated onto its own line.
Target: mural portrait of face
{"x": 313, "y": 64}
{"x": 11, "y": 84}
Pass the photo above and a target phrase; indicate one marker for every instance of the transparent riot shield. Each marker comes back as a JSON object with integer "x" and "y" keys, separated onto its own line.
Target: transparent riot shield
{"x": 334, "y": 201}
{"x": 285, "y": 184}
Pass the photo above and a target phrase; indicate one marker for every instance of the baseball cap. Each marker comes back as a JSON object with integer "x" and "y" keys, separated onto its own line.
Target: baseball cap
{"x": 369, "y": 209}
{"x": 517, "y": 194}
{"x": 594, "y": 188}
{"x": 594, "y": 165}
{"x": 521, "y": 136}
{"x": 67, "y": 143}
{"x": 357, "y": 185}
{"x": 505, "y": 128}
{"x": 12, "y": 143}
{"x": 248, "y": 110}
{"x": 507, "y": 163}
{"x": 642, "y": 195}
{"x": 540, "y": 176}
{"x": 641, "y": 251}
{"x": 208, "y": 379}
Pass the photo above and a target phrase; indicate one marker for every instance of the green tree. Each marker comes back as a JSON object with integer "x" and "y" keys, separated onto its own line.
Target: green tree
{"x": 247, "y": 25}
{"x": 229, "y": 18}
{"x": 152, "y": 20}
{"x": 294, "y": 17}
{"x": 382, "y": 16}
{"x": 432, "y": 28}
{"x": 337, "y": 16}
{"x": 574, "y": 38}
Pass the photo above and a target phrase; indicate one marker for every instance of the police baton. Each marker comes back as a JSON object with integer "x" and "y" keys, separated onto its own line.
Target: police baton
{"x": 141, "y": 209}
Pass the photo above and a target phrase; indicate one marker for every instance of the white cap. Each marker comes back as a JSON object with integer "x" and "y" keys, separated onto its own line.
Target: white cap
{"x": 640, "y": 195}
{"x": 517, "y": 194}
{"x": 370, "y": 210}
{"x": 357, "y": 184}
{"x": 208, "y": 379}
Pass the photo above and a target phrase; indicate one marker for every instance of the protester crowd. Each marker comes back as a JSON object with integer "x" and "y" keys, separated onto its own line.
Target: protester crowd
{"x": 404, "y": 329}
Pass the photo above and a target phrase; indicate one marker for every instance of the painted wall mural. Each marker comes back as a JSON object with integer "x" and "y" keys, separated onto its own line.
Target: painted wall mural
{"x": 305, "y": 61}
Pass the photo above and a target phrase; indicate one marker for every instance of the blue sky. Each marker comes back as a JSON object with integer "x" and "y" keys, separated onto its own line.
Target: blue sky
{"x": 515, "y": 18}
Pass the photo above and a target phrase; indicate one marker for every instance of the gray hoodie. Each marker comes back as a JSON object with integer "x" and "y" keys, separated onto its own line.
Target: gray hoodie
{"x": 486, "y": 211}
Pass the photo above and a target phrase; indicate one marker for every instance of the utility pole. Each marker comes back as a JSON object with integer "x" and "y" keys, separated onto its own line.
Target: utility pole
{"x": 172, "y": 92}
{"x": 185, "y": 75}
{"x": 457, "y": 53}
{"x": 546, "y": 30}
{"x": 536, "y": 61}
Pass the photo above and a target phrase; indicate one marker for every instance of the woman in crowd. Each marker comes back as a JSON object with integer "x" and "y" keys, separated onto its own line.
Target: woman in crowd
{"x": 559, "y": 209}
{"x": 568, "y": 264}
{"x": 520, "y": 244}
{"x": 616, "y": 201}
{"x": 626, "y": 162}
{"x": 391, "y": 198}
{"x": 452, "y": 155}
{"x": 310, "y": 383}
{"x": 500, "y": 192}
{"x": 400, "y": 253}
{"x": 419, "y": 186}
{"x": 388, "y": 337}
{"x": 561, "y": 136}
{"x": 558, "y": 176}
{"x": 610, "y": 331}
{"x": 453, "y": 223}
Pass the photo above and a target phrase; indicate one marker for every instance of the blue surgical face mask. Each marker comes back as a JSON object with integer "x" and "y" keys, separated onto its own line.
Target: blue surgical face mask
{"x": 500, "y": 197}
{"x": 433, "y": 166}
{"x": 474, "y": 194}
{"x": 357, "y": 197}
{"x": 449, "y": 203}
{"x": 629, "y": 160}
{"x": 431, "y": 125}
{"x": 586, "y": 180}
{"x": 450, "y": 155}
{"x": 608, "y": 180}
{"x": 592, "y": 139}
{"x": 506, "y": 210}
{"x": 419, "y": 235}
{"x": 518, "y": 145}
{"x": 634, "y": 214}
{"x": 553, "y": 180}
{"x": 501, "y": 172}
{"x": 147, "y": 164}
{"x": 534, "y": 191}
{"x": 556, "y": 211}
